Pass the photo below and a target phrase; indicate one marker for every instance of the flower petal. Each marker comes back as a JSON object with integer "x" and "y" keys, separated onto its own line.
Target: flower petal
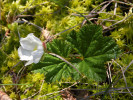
{"x": 35, "y": 39}
{"x": 40, "y": 47}
{"x": 37, "y": 55}
{"x": 30, "y": 42}
{"x": 29, "y": 62}
{"x": 24, "y": 54}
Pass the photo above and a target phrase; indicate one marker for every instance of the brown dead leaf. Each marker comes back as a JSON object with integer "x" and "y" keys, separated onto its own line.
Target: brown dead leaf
{"x": 7, "y": 33}
{"x": 67, "y": 95}
{"x": 11, "y": 18}
{"x": 46, "y": 33}
{"x": 4, "y": 96}
{"x": 74, "y": 95}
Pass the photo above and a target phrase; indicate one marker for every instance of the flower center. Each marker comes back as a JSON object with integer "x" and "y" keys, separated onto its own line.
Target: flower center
{"x": 35, "y": 48}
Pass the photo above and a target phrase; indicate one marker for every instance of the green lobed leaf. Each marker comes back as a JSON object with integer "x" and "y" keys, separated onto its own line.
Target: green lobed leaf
{"x": 94, "y": 49}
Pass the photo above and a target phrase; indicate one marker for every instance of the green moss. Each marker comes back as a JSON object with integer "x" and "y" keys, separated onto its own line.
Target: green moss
{"x": 54, "y": 16}
{"x": 8, "y": 80}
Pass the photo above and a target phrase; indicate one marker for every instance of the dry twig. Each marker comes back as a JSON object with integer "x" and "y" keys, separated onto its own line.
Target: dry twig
{"x": 123, "y": 77}
{"x": 36, "y": 92}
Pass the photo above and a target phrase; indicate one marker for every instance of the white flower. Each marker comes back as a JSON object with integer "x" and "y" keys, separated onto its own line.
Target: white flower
{"x": 31, "y": 49}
